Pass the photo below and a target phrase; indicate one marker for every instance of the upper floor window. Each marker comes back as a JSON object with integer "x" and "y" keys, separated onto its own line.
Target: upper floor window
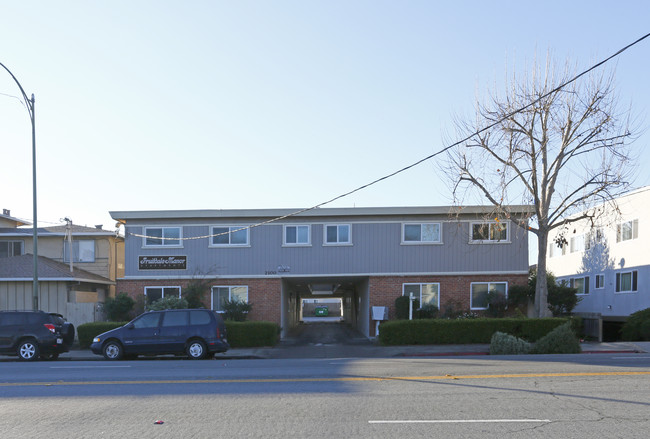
{"x": 162, "y": 236}
{"x": 421, "y": 233}
{"x": 83, "y": 250}
{"x": 152, "y": 294}
{"x": 627, "y": 230}
{"x": 337, "y": 234}
{"x": 577, "y": 243}
{"x": 11, "y": 248}
{"x": 600, "y": 281}
{"x": 220, "y": 295}
{"x": 556, "y": 250}
{"x": 580, "y": 283}
{"x": 297, "y": 235}
{"x": 491, "y": 231}
{"x": 426, "y": 294}
{"x": 230, "y": 235}
{"x": 480, "y": 291}
{"x": 626, "y": 282}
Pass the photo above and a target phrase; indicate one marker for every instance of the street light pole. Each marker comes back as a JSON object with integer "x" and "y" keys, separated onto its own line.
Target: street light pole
{"x": 30, "y": 103}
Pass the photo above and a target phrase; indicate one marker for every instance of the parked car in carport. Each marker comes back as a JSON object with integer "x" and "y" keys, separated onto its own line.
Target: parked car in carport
{"x": 34, "y": 334}
{"x": 196, "y": 333}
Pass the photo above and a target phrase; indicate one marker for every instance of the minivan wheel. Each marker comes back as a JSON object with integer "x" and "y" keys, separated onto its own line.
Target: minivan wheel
{"x": 196, "y": 350}
{"x": 113, "y": 350}
{"x": 28, "y": 350}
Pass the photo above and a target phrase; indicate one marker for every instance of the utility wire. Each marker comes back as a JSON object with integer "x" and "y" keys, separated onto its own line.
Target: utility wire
{"x": 429, "y": 157}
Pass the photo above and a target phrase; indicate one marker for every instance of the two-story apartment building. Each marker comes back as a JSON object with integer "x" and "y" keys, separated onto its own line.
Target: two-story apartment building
{"x": 77, "y": 267}
{"x": 607, "y": 260}
{"x": 365, "y": 257}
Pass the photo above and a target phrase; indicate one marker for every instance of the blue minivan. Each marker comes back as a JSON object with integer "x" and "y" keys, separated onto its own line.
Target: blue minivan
{"x": 196, "y": 333}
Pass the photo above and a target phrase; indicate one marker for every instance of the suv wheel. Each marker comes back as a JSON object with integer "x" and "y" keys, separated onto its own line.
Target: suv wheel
{"x": 196, "y": 350}
{"x": 28, "y": 350}
{"x": 113, "y": 350}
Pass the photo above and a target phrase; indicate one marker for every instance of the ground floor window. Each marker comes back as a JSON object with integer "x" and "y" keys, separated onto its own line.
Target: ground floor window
{"x": 427, "y": 294}
{"x": 581, "y": 284}
{"x": 152, "y": 294}
{"x": 480, "y": 291}
{"x": 600, "y": 281}
{"x": 221, "y": 294}
{"x": 626, "y": 282}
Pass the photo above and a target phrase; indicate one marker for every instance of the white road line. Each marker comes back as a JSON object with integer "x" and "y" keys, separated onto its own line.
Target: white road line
{"x": 629, "y": 358}
{"x": 456, "y": 421}
{"x": 83, "y": 367}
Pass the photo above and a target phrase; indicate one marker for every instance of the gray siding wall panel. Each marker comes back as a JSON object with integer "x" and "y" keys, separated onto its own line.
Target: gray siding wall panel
{"x": 376, "y": 248}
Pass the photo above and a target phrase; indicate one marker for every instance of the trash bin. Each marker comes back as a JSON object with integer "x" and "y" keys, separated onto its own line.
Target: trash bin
{"x": 322, "y": 311}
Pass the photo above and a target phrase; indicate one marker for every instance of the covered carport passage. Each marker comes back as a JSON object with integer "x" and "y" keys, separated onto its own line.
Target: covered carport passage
{"x": 346, "y": 299}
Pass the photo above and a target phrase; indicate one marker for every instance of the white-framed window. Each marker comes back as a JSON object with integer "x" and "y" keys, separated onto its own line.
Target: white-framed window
{"x": 337, "y": 234}
{"x": 152, "y": 294}
{"x": 297, "y": 235}
{"x": 421, "y": 233}
{"x": 580, "y": 283}
{"x": 600, "y": 281}
{"x": 11, "y": 248}
{"x": 555, "y": 250}
{"x": 577, "y": 243}
{"x": 627, "y": 281}
{"x": 627, "y": 230}
{"x": 83, "y": 250}
{"x": 426, "y": 293}
{"x": 478, "y": 298}
{"x": 596, "y": 236}
{"x": 162, "y": 236}
{"x": 489, "y": 231}
{"x": 230, "y": 236}
{"x": 220, "y": 294}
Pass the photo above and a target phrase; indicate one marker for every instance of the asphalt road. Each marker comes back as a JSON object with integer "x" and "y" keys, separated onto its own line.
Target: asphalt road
{"x": 601, "y": 395}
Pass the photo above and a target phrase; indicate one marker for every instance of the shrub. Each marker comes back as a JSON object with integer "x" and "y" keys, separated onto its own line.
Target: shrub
{"x": 402, "y": 307}
{"x": 497, "y": 305}
{"x": 506, "y": 344}
{"x": 195, "y": 291}
{"x": 87, "y": 331}
{"x": 462, "y": 331}
{"x": 252, "y": 334}
{"x": 637, "y": 326}
{"x": 428, "y": 311}
{"x": 118, "y": 308}
{"x": 560, "y": 340}
{"x": 561, "y": 298}
{"x": 236, "y": 310}
{"x": 169, "y": 302}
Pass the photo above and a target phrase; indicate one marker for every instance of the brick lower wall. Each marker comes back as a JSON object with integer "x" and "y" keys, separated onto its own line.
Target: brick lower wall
{"x": 266, "y": 294}
{"x": 263, "y": 294}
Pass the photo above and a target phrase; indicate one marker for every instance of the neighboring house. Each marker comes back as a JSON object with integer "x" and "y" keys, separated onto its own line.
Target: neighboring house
{"x": 607, "y": 261}
{"x": 364, "y": 257}
{"x": 73, "y": 283}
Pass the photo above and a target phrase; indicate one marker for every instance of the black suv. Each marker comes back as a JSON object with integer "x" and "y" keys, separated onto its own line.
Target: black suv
{"x": 34, "y": 334}
{"x": 195, "y": 332}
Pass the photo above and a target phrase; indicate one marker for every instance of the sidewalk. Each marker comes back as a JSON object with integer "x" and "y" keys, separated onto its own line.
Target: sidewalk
{"x": 372, "y": 350}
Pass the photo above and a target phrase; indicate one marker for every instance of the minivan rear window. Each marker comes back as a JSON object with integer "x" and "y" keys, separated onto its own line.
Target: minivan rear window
{"x": 199, "y": 318}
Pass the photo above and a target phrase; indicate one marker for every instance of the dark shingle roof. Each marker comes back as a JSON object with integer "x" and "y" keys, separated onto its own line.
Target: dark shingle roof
{"x": 21, "y": 268}
{"x": 55, "y": 231}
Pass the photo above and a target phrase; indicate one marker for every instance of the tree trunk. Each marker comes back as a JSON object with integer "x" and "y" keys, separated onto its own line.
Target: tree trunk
{"x": 541, "y": 290}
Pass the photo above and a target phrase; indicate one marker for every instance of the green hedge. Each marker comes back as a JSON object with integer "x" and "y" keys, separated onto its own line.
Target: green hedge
{"x": 252, "y": 334}
{"x": 464, "y": 331}
{"x": 88, "y": 331}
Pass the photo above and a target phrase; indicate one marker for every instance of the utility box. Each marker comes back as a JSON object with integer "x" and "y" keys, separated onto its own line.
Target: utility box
{"x": 379, "y": 313}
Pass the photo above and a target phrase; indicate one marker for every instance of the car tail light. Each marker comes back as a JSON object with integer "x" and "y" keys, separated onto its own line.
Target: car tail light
{"x": 50, "y": 327}
{"x": 218, "y": 333}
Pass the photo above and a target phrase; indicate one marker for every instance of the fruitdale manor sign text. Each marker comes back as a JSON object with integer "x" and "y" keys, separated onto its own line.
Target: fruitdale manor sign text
{"x": 162, "y": 262}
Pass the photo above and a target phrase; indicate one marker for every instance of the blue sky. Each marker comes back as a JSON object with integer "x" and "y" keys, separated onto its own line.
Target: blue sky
{"x": 262, "y": 104}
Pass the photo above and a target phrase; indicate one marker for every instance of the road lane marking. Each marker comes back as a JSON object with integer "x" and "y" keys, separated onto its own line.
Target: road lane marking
{"x": 455, "y": 421}
{"x": 332, "y": 379}
{"x": 85, "y": 367}
{"x": 629, "y": 358}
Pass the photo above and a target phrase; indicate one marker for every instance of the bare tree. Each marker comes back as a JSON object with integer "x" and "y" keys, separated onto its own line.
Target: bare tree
{"x": 562, "y": 150}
